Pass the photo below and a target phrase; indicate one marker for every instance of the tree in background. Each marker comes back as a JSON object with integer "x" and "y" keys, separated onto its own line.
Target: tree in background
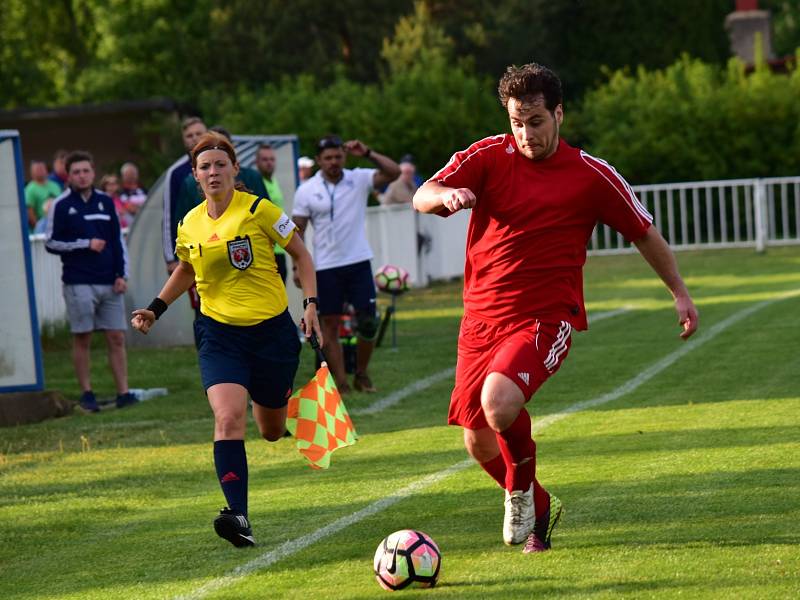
{"x": 426, "y": 103}
{"x": 91, "y": 50}
{"x": 42, "y": 46}
{"x": 785, "y": 24}
{"x": 577, "y": 38}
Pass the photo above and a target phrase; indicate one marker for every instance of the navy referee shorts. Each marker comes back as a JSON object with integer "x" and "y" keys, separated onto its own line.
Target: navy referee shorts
{"x": 263, "y": 357}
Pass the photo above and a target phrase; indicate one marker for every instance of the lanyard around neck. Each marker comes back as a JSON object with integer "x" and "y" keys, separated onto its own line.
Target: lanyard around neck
{"x": 331, "y": 194}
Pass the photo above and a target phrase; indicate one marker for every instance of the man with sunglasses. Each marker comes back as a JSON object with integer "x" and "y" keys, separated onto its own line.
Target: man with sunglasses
{"x": 334, "y": 201}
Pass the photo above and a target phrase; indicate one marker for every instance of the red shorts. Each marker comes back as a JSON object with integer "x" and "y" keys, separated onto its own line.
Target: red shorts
{"x": 528, "y": 353}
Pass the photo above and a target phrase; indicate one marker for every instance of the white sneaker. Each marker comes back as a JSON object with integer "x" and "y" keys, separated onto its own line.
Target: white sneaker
{"x": 520, "y": 516}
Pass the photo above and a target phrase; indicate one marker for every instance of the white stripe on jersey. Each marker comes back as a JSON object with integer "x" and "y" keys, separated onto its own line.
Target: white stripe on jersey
{"x": 437, "y": 177}
{"x": 559, "y": 346}
{"x": 58, "y": 245}
{"x": 630, "y": 196}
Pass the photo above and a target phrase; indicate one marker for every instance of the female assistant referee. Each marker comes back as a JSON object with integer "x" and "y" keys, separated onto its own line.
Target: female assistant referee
{"x": 247, "y": 341}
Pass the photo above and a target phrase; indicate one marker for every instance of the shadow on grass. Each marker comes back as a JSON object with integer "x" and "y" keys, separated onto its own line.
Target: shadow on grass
{"x": 641, "y": 441}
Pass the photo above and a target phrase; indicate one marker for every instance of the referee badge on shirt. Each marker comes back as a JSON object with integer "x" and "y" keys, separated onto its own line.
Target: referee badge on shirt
{"x": 240, "y": 252}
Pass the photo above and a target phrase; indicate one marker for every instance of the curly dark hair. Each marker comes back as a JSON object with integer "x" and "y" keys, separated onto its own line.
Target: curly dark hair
{"x": 530, "y": 80}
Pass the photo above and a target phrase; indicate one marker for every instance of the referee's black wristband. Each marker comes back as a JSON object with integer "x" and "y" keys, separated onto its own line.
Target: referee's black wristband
{"x": 310, "y": 300}
{"x": 158, "y": 306}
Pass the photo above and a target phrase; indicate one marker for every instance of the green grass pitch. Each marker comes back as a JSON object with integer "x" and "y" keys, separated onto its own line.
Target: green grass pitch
{"x": 686, "y": 486}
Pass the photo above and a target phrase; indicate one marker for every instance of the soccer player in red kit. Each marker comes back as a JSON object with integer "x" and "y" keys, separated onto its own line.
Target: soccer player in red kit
{"x": 535, "y": 201}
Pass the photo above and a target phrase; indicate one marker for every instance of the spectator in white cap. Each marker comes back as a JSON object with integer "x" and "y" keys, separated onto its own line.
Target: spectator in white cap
{"x": 305, "y": 166}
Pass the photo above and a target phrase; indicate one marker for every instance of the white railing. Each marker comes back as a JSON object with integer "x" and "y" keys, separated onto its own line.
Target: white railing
{"x": 733, "y": 213}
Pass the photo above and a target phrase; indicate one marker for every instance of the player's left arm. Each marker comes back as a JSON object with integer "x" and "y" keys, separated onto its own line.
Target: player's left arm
{"x": 388, "y": 170}
{"x": 654, "y": 248}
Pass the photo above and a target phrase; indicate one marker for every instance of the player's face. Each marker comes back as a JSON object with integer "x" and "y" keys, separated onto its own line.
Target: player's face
{"x": 192, "y": 134}
{"x": 534, "y": 127}
{"x": 216, "y": 174}
{"x": 265, "y": 162}
{"x": 331, "y": 162}
{"x": 81, "y": 176}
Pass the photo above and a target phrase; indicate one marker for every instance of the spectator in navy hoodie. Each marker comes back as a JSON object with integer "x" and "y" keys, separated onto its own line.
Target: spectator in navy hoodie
{"x": 83, "y": 228}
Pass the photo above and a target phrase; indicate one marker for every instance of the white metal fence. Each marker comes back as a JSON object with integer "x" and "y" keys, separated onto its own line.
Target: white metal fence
{"x": 709, "y": 214}
{"x": 717, "y": 214}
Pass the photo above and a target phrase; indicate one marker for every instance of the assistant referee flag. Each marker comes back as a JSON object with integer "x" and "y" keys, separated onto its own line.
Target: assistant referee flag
{"x": 318, "y": 419}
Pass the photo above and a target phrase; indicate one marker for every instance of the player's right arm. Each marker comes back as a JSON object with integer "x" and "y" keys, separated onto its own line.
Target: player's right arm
{"x": 434, "y": 197}
{"x": 456, "y": 184}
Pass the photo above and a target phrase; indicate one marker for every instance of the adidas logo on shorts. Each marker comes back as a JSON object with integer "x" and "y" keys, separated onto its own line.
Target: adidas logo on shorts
{"x": 525, "y": 377}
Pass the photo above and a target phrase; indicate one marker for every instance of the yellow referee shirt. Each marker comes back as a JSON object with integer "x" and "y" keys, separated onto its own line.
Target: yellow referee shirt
{"x": 233, "y": 258}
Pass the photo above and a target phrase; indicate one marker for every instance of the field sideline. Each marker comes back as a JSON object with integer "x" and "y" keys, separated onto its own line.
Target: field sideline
{"x": 678, "y": 464}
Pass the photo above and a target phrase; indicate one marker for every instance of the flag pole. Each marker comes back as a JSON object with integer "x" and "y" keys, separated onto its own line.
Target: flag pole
{"x": 316, "y": 347}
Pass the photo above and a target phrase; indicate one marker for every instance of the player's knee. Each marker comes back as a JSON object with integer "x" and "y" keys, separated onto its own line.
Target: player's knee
{"x": 116, "y": 339}
{"x": 500, "y": 411}
{"x": 367, "y": 325}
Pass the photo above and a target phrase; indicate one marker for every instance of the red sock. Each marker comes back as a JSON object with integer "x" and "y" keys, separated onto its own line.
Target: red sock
{"x": 496, "y": 468}
{"x": 541, "y": 499}
{"x": 519, "y": 453}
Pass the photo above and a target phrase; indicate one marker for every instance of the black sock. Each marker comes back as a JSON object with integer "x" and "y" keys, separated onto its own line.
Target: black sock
{"x": 230, "y": 460}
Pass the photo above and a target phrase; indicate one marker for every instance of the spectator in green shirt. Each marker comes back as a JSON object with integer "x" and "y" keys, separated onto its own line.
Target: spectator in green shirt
{"x": 265, "y": 164}
{"x": 39, "y": 193}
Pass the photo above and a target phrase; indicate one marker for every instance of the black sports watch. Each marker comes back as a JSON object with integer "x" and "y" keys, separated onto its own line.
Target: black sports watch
{"x": 310, "y": 300}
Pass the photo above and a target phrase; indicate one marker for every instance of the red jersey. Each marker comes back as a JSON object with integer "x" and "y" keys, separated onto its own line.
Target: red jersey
{"x": 527, "y": 237}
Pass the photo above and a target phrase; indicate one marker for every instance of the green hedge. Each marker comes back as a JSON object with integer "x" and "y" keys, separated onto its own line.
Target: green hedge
{"x": 430, "y": 111}
{"x": 694, "y": 121}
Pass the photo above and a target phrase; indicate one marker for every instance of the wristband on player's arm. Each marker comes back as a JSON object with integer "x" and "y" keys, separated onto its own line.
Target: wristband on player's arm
{"x": 310, "y": 300}
{"x": 158, "y": 306}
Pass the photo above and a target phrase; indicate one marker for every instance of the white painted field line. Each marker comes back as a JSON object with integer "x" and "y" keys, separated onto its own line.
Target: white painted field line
{"x": 421, "y": 384}
{"x": 403, "y": 393}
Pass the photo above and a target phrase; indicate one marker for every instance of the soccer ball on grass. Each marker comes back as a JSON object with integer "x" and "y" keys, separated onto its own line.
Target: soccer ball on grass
{"x": 407, "y": 558}
{"x": 392, "y": 279}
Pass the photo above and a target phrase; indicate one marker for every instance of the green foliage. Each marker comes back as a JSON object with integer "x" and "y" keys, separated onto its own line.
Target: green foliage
{"x": 417, "y": 38}
{"x": 93, "y": 50}
{"x": 90, "y": 50}
{"x": 694, "y": 121}
{"x": 577, "y": 37}
{"x": 43, "y": 46}
{"x": 785, "y": 24}
{"x": 424, "y": 105}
